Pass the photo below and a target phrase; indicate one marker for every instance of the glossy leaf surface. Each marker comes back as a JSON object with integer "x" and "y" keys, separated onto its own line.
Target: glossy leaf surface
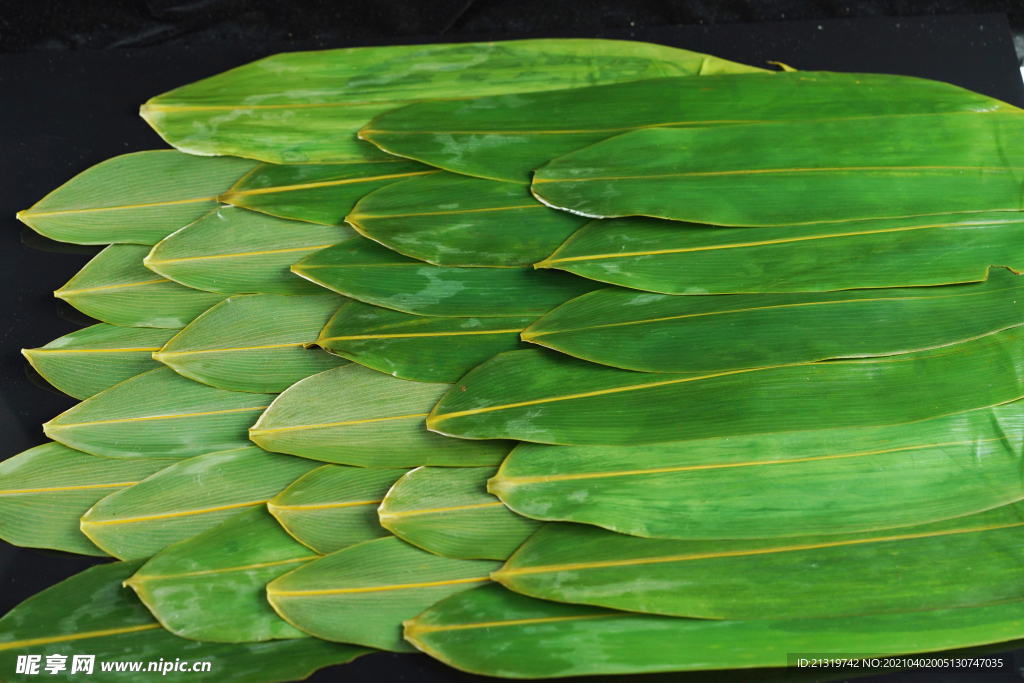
{"x": 818, "y": 482}
{"x": 95, "y": 358}
{"x": 362, "y": 594}
{"x": 845, "y": 170}
{"x": 93, "y": 614}
{"x": 416, "y": 347}
{"x": 707, "y": 334}
{"x": 116, "y": 288}
{"x": 212, "y": 587}
{"x": 545, "y": 397}
{"x": 256, "y": 110}
{"x": 254, "y": 342}
{"x": 357, "y": 416}
{"x": 158, "y": 414}
{"x": 135, "y": 198}
{"x": 45, "y": 490}
{"x": 447, "y": 511}
{"x": 487, "y": 630}
{"x": 317, "y": 193}
{"x": 364, "y": 270}
{"x": 334, "y": 506}
{"x": 188, "y": 498}
{"x": 506, "y": 138}
{"x": 237, "y": 251}
{"x": 453, "y": 220}
{"x": 685, "y": 258}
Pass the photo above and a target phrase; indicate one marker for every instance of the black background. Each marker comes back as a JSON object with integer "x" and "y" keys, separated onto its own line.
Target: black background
{"x": 63, "y": 109}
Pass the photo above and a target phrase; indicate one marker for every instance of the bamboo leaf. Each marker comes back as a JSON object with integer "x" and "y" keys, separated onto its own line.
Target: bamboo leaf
{"x": 188, "y": 498}
{"x": 453, "y": 220}
{"x": 505, "y": 138}
{"x": 93, "y": 359}
{"x": 364, "y": 270}
{"x": 212, "y": 587}
{"x": 254, "y": 342}
{"x": 334, "y": 506}
{"x": 818, "y": 482}
{"x": 679, "y": 258}
{"x": 158, "y": 414}
{"x": 709, "y": 334}
{"x": 46, "y": 489}
{"x": 361, "y": 594}
{"x": 544, "y": 397}
{"x": 447, "y": 511}
{"x": 486, "y": 630}
{"x": 236, "y": 251}
{"x": 357, "y": 416}
{"x": 92, "y": 614}
{"x": 116, "y": 288}
{"x": 416, "y": 347}
{"x": 256, "y": 111}
{"x": 880, "y": 167}
{"x": 135, "y": 198}
{"x": 317, "y": 193}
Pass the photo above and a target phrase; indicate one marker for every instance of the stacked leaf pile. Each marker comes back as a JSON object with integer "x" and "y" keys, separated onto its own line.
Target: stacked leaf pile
{"x": 545, "y": 358}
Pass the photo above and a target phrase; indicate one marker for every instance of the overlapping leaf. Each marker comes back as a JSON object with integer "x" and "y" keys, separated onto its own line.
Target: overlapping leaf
{"x": 416, "y": 347}
{"x": 237, "y": 251}
{"x": 685, "y": 258}
{"x": 256, "y": 110}
{"x": 166, "y": 190}
{"x": 212, "y": 587}
{"x": 850, "y": 169}
{"x": 188, "y": 498}
{"x": 158, "y": 414}
{"x": 364, "y": 270}
{"x": 96, "y": 358}
{"x": 116, "y": 288}
{"x": 254, "y": 342}
{"x": 362, "y": 594}
{"x": 448, "y": 511}
{"x": 45, "y": 490}
{"x": 334, "y": 506}
{"x": 357, "y": 416}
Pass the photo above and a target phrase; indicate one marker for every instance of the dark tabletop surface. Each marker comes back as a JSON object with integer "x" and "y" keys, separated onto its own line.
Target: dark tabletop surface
{"x": 63, "y": 111}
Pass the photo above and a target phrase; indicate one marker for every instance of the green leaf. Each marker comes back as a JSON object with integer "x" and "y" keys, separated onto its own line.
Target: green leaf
{"x": 116, "y": 288}
{"x": 188, "y": 498}
{"x": 46, "y": 489}
{"x": 709, "y": 334}
{"x": 212, "y": 587}
{"x": 317, "y": 193}
{"x": 681, "y": 258}
{"x": 96, "y": 358}
{"x": 357, "y": 416}
{"x": 361, "y": 594}
{"x": 779, "y": 578}
{"x": 448, "y": 511}
{"x": 92, "y": 614}
{"x": 254, "y": 342}
{"x": 495, "y": 632}
{"x": 136, "y": 198}
{"x": 158, "y": 414}
{"x": 453, "y": 220}
{"x": 257, "y": 110}
{"x": 852, "y": 169}
{"x": 416, "y": 347}
{"x": 818, "y": 482}
{"x": 505, "y": 138}
{"x": 364, "y": 270}
{"x": 541, "y": 396}
{"x": 334, "y": 506}
{"x": 236, "y": 251}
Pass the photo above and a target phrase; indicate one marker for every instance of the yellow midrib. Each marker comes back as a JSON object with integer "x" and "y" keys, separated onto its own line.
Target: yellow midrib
{"x": 33, "y": 642}
{"x": 375, "y": 589}
{"x": 417, "y": 334}
{"x": 427, "y": 511}
{"x": 322, "y": 506}
{"x": 770, "y": 171}
{"x": 259, "y": 432}
{"x": 316, "y": 247}
{"x": 168, "y": 515}
{"x": 142, "y": 578}
{"x": 51, "y": 426}
{"x": 326, "y": 183}
{"x": 33, "y": 214}
{"x": 412, "y": 628}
